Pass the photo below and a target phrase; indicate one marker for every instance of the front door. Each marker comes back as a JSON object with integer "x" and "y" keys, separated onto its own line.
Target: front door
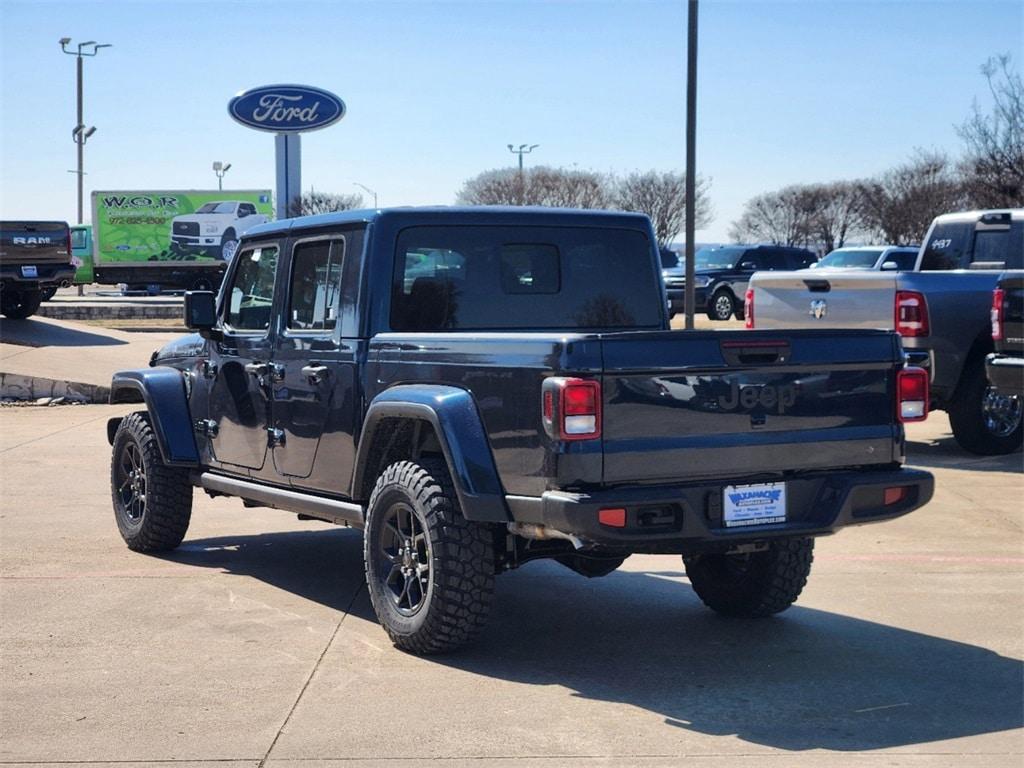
{"x": 314, "y": 365}
{"x": 241, "y": 362}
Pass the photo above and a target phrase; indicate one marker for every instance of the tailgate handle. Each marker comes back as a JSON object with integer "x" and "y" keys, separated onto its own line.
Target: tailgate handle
{"x": 755, "y": 352}
{"x": 818, "y": 286}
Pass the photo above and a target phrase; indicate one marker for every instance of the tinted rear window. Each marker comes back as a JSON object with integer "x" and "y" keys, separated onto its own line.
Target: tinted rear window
{"x": 538, "y": 278}
{"x": 963, "y": 246}
{"x": 947, "y": 246}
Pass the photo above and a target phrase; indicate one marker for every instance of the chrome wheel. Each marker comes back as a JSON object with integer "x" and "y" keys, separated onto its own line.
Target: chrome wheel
{"x": 1002, "y": 413}
{"x": 723, "y": 306}
{"x": 131, "y": 482}
{"x": 227, "y": 251}
{"x": 404, "y": 567}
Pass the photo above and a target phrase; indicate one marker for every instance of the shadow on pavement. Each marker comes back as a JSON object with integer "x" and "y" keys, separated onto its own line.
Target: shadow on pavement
{"x": 946, "y": 453}
{"x": 34, "y": 333}
{"x": 808, "y": 679}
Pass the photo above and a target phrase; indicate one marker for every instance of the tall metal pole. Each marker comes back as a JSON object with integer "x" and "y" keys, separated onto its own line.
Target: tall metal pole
{"x": 80, "y": 141}
{"x": 524, "y": 149}
{"x": 691, "y": 159}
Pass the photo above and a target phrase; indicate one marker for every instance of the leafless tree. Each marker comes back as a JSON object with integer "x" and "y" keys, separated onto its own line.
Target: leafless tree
{"x": 838, "y": 214}
{"x": 993, "y": 167}
{"x": 313, "y": 202}
{"x": 540, "y": 185}
{"x": 662, "y": 196}
{"x": 784, "y": 217}
{"x": 899, "y": 205}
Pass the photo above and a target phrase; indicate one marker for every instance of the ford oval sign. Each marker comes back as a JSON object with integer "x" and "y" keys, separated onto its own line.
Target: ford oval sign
{"x": 286, "y": 108}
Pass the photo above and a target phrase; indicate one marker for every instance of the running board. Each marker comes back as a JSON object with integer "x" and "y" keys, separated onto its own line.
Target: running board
{"x": 328, "y": 510}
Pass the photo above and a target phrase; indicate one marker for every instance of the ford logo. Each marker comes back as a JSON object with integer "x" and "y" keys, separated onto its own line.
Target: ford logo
{"x": 286, "y": 108}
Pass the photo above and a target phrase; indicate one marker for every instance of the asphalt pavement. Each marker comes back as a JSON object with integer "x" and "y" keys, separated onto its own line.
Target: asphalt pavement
{"x": 255, "y": 644}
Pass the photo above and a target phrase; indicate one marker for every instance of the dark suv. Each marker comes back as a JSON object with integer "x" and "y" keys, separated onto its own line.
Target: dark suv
{"x": 722, "y": 274}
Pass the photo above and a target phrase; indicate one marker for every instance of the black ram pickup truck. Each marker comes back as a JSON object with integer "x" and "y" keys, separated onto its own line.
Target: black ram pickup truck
{"x": 478, "y": 388}
{"x": 1005, "y": 366}
{"x": 35, "y": 259}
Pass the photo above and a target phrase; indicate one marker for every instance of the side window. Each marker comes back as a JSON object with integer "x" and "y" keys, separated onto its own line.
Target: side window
{"x": 800, "y": 260}
{"x": 946, "y": 247}
{"x": 78, "y": 238}
{"x": 246, "y": 209}
{"x": 426, "y": 300}
{"x": 998, "y": 248}
{"x": 252, "y": 290}
{"x": 756, "y": 258}
{"x": 775, "y": 260}
{"x": 315, "y": 289}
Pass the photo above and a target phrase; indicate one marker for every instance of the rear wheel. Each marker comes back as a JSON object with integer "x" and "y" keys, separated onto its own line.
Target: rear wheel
{"x": 722, "y": 305}
{"x": 17, "y": 305}
{"x": 430, "y": 572}
{"x": 983, "y": 421}
{"x": 48, "y": 293}
{"x": 755, "y": 584}
{"x": 228, "y": 245}
{"x": 152, "y": 501}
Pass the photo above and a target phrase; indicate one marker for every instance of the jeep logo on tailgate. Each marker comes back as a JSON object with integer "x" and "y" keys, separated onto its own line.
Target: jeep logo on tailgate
{"x": 766, "y": 396}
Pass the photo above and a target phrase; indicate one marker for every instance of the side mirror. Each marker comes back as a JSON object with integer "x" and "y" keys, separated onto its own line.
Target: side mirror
{"x": 748, "y": 265}
{"x": 890, "y": 265}
{"x": 200, "y": 310}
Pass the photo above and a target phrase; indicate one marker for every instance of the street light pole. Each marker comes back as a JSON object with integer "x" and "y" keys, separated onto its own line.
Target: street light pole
{"x": 524, "y": 149}
{"x": 80, "y": 134}
{"x": 367, "y": 189}
{"x": 220, "y": 169}
{"x": 690, "y": 293}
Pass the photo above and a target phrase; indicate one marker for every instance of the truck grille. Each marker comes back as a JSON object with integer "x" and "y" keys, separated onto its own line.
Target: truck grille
{"x": 186, "y": 228}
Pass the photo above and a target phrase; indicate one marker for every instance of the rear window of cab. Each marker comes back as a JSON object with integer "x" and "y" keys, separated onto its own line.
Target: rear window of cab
{"x": 528, "y": 278}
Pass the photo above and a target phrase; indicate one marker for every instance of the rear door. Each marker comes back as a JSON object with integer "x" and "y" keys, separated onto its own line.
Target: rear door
{"x": 718, "y": 404}
{"x": 34, "y": 244}
{"x": 315, "y": 387}
{"x": 240, "y": 364}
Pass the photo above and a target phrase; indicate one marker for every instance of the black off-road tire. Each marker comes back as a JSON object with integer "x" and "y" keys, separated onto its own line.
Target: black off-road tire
{"x": 455, "y": 598}
{"x": 159, "y": 523}
{"x": 752, "y": 585}
{"x": 974, "y": 429}
{"x": 48, "y": 293}
{"x": 18, "y": 305}
{"x": 717, "y": 305}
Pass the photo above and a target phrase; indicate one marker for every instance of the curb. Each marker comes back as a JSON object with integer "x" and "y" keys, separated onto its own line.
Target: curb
{"x": 56, "y": 311}
{"x": 15, "y": 386}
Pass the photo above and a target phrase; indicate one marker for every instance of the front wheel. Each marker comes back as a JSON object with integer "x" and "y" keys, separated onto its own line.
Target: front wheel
{"x": 722, "y": 306}
{"x": 430, "y": 572}
{"x": 228, "y": 246}
{"x": 17, "y": 305}
{"x": 152, "y": 501}
{"x": 983, "y": 421}
{"x": 755, "y": 584}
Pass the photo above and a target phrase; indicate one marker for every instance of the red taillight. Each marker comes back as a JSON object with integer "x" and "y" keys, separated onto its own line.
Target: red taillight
{"x": 912, "y": 394}
{"x": 998, "y": 295}
{"x": 895, "y": 495}
{"x": 748, "y": 308}
{"x": 613, "y": 518}
{"x": 911, "y": 314}
{"x": 572, "y": 408}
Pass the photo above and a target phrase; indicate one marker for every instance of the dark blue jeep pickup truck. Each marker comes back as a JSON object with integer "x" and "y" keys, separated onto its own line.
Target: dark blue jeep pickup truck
{"x": 478, "y": 388}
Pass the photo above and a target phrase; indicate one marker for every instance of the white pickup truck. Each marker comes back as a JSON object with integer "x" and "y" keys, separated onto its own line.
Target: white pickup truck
{"x": 941, "y": 309}
{"x": 215, "y": 227}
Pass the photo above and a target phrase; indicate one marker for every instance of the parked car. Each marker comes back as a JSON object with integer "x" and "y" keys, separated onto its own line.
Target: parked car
{"x": 673, "y": 274}
{"x": 722, "y": 274}
{"x": 1005, "y": 366}
{"x": 876, "y": 257}
{"x": 35, "y": 260}
{"x": 941, "y": 309}
{"x": 522, "y": 398}
{"x": 215, "y": 226}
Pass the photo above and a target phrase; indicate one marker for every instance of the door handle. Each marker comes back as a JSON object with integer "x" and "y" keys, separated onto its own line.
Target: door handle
{"x": 315, "y": 373}
{"x": 257, "y": 369}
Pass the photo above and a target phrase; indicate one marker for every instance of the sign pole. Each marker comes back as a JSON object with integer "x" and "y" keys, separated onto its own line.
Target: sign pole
{"x": 288, "y": 154}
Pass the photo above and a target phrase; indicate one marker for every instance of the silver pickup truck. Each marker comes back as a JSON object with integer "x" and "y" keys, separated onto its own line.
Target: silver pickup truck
{"x": 941, "y": 309}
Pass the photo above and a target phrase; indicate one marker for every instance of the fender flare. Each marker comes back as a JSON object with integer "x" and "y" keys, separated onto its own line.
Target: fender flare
{"x": 162, "y": 389}
{"x": 453, "y": 415}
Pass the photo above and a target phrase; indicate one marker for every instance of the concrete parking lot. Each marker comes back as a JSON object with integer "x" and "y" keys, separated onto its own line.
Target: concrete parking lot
{"x": 255, "y": 642}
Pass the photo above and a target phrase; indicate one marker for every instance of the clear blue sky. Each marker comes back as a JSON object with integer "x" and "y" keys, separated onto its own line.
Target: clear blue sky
{"x": 788, "y": 91}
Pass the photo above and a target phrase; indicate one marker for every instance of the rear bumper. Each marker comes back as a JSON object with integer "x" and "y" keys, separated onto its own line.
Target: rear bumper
{"x": 689, "y": 518}
{"x": 1005, "y": 373}
{"x": 13, "y": 276}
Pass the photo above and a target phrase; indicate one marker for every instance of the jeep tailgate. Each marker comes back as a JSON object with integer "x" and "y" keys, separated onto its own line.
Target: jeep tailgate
{"x": 686, "y": 405}
{"x": 820, "y": 298}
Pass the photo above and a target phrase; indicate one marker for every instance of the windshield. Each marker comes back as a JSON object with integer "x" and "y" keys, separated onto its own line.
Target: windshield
{"x": 843, "y": 258}
{"x": 719, "y": 258}
{"x": 216, "y": 208}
